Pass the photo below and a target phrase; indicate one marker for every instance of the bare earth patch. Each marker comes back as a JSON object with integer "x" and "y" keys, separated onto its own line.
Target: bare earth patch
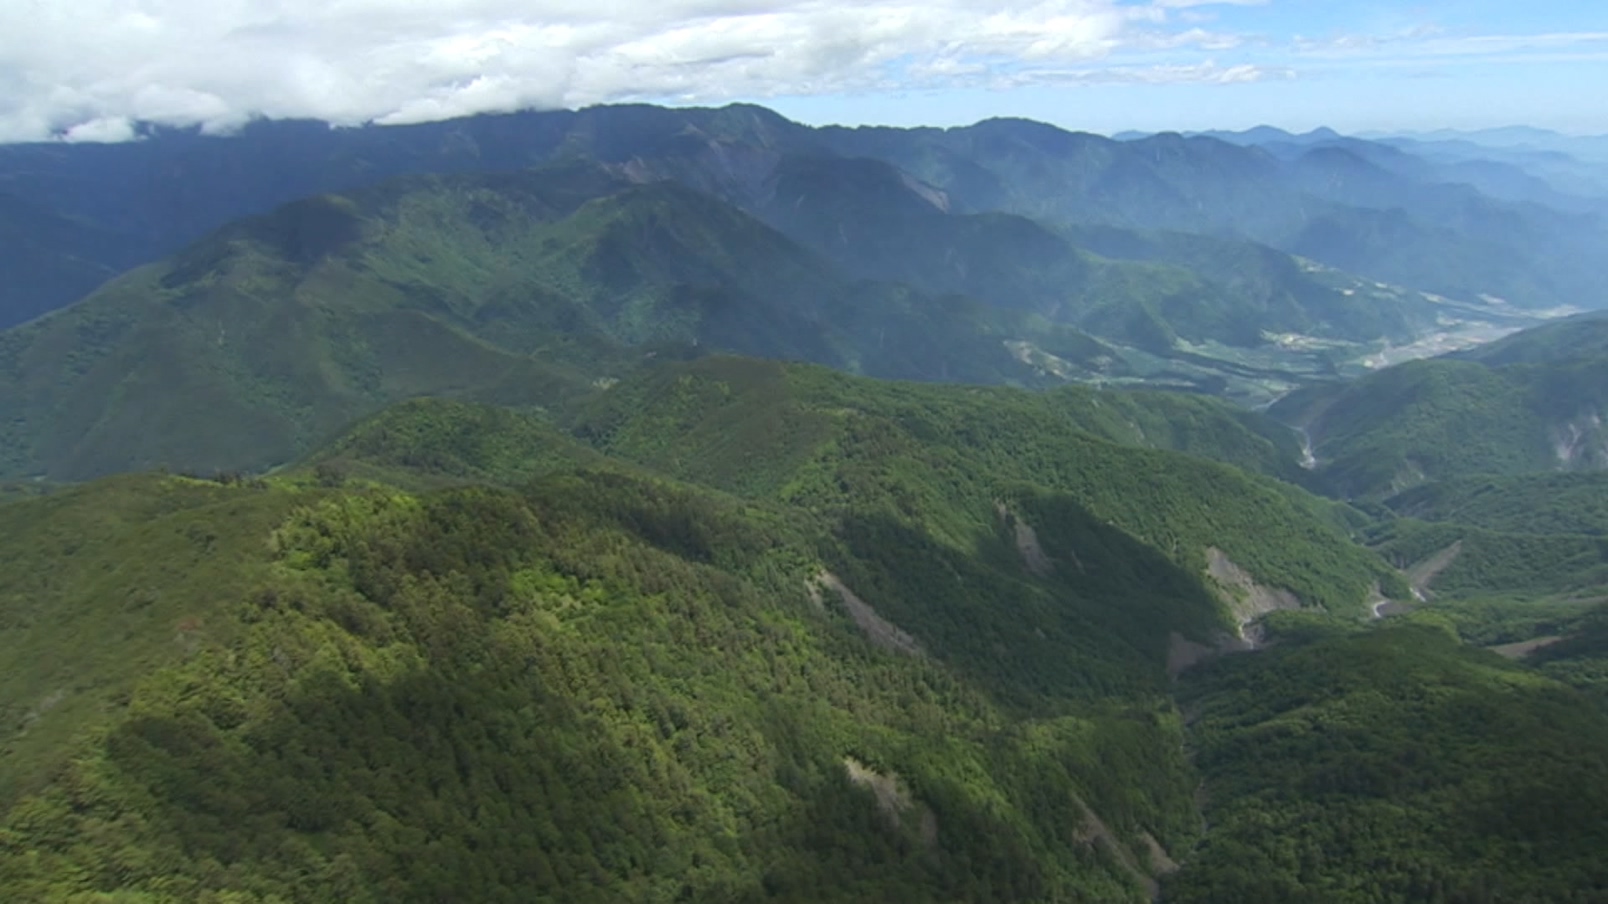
{"x": 1096, "y": 833}
{"x": 893, "y": 801}
{"x": 1034, "y": 558}
{"x": 1161, "y": 863}
{"x": 1524, "y": 647}
{"x": 882, "y": 632}
{"x": 1423, "y": 573}
{"x": 1246, "y": 599}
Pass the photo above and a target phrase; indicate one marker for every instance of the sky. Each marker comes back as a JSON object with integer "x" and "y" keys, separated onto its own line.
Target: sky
{"x": 93, "y": 70}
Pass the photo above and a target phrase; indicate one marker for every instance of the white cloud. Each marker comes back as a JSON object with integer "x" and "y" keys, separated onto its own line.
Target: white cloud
{"x": 1428, "y": 42}
{"x": 1208, "y": 72}
{"x": 89, "y": 69}
{"x": 109, "y": 129}
{"x": 1187, "y": 4}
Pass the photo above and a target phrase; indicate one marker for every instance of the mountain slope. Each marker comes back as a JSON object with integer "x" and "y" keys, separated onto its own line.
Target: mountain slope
{"x": 851, "y": 445}
{"x": 47, "y": 260}
{"x": 677, "y": 719}
{"x": 916, "y": 656}
{"x": 877, "y": 222}
{"x": 527, "y": 287}
{"x": 1566, "y": 503}
{"x": 1394, "y": 766}
{"x": 609, "y": 686}
{"x": 524, "y": 287}
{"x": 1532, "y": 402}
{"x": 1331, "y": 204}
{"x": 1332, "y": 207}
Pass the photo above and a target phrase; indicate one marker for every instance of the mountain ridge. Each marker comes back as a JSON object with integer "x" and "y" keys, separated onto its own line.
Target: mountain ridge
{"x": 728, "y": 152}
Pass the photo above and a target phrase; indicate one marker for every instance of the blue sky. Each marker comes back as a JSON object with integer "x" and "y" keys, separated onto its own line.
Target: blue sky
{"x": 92, "y": 70}
{"x": 1353, "y": 66}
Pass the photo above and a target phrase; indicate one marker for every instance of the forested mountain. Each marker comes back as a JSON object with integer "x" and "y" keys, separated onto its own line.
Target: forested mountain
{"x": 525, "y": 288}
{"x": 1532, "y": 402}
{"x": 643, "y": 504}
{"x": 1569, "y": 502}
{"x": 701, "y": 654}
{"x": 756, "y": 632}
{"x": 1328, "y": 204}
{"x": 1390, "y": 225}
{"x": 730, "y": 229}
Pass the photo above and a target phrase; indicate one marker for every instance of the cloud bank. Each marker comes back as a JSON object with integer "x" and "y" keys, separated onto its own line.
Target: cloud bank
{"x": 90, "y": 69}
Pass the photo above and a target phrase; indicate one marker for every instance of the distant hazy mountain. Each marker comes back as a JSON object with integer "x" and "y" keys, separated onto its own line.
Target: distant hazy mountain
{"x": 532, "y": 284}
{"x": 1344, "y": 210}
{"x": 46, "y": 259}
{"x": 1327, "y": 204}
{"x": 1586, "y": 147}
{"x": 277, "y": 331}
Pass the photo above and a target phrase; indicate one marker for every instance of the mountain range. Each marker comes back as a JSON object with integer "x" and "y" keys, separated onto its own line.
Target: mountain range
{"x": 643, "y": 504}
{"x": 1330, "y": 205}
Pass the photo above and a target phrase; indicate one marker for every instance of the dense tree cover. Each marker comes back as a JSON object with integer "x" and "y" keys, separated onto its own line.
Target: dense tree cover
{"x": 290, "y": 324}
{"x": 1487, "y": 562}
{"x": 427, "y": 443}
{"x": 377, "y": 676}
{"x": 1582, "y": 336}
{"x": 599, "y": 689}
{"x": 1581, "y": 657}
{"x": 874, "y": 221}
{"x": 1394, "y": 765}
{"x": 519, "y": 289}
{"x": 1275, "y": 292}
{"x": 1558, "y": 503}
{"x": 80, "y": 210}
{"x": 1446, "y": 418}
{"x": 592, "y": 647}
{"x": 941, "y": 457}
{"x": 1496, "y": 621}
{"x": 48, "y": 260}
{"x": 101, "y": 584}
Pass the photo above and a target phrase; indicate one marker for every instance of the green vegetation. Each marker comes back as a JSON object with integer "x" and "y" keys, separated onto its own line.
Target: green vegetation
{"x": 602, "y": 654}
{"x": 429, "y": 443}
{"x": 600, "y": 688}
{"x": 945, "y": 455}
{"x": 1273, "y": 292}
{"x": 1445, "y": 418}
{"x": 47, "y": 261}
{"x": 1583, "y": 336}
{"x": 487, "y": 581}
{"x": 104, "y": 583}
{"x": 874, "y": 221}
{"x": 597, "y": 684}
{"x": 522, "y": 289}
{"x": 527, "y": 288}
{"x": 1329, "y": 205}
{"x": 1394, "y": 765}
{"x": 1581, "y": 658}
{"x": 1485, "y": 562}
{"x": 1562, "y": 503}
